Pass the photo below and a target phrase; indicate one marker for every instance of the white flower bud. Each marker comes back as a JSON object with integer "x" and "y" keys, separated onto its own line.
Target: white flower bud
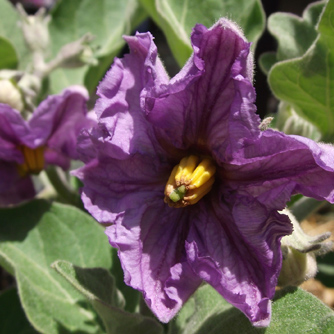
{"x": 35, "y": 29}
{"x": 30, "y": 85}
{"x": 299, "y": 250}
{"x": 11, "y": 95}
{"x": 297, "y": 267}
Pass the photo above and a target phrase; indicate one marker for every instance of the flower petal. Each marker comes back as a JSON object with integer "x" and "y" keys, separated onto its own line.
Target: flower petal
{"x": 13, "y": 188}
{"x": 118, "y": 107}
{"x": 276, "y": 166}
{"x": 150, "y": 240}
{"x": 12, "y": 128}
{"x": 114, "y": 186}
{"x": 128, "y": 193}
{"x": 237, "y": 251}
{"x": 57, "y": 122}
{"x": 194, "y": 108}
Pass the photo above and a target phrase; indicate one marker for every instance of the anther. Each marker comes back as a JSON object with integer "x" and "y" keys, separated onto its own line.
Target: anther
{"x": 33, "y": 160}
{"x": 189, "y": 181}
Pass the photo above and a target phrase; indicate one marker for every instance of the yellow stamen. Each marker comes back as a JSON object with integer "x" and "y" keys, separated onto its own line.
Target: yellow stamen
{"x": 189, "y": 181}
{"x": 203, "y": 172}
{"x": 194, "y": 195}
{"x": 33, "y": 160}
{"x": 185, "y": 169}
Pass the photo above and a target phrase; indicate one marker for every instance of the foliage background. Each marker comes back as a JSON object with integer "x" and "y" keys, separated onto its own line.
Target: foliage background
{"x": 58, "y": 290}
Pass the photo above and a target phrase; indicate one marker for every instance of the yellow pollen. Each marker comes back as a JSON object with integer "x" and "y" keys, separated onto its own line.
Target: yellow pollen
{"x": 33, "y": 160}
{"x": 189, "y": 181}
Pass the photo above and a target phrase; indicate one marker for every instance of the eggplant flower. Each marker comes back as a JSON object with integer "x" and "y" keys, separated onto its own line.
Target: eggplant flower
{"x": 184, "y": 180}
{"x": 48, "y": 137}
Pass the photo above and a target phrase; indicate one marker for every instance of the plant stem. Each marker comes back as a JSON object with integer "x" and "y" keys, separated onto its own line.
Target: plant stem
{"x": 60, "y": 184}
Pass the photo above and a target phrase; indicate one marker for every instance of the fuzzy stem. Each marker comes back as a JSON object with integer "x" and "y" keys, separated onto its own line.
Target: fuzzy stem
{"x": 60, "y": 185}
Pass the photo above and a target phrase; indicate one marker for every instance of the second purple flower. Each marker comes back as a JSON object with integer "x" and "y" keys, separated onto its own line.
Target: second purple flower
{"x": 49, "y": 137}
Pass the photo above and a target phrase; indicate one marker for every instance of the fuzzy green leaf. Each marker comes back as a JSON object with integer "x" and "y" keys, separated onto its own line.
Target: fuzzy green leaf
{"x": 12, "y": 317}
{"x": 293, "y": 311}
{"x": 10, "y": 30}
{"x": 307, "y": 83}
{"x": 98, "y": 286}
{"x": 289, "y": 122}
{"x": 177, "y": 18}
{"x": 32, "y": 237}
{"x": 266, "y": 61}
{"x": 294, "y": 34}
{"x": 8, "y": 57}
{"x": 106, "y": 20}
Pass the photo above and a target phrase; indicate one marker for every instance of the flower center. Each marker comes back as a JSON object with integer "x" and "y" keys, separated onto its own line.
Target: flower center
{"x": 189, "y": 181}
{"x": 33, "y": 160}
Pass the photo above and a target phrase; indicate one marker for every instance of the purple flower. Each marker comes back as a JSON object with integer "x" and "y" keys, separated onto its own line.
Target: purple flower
{"x": 36, "y": 3}
{"x": 49, "y": 137}
{"x": 214, "y": 217}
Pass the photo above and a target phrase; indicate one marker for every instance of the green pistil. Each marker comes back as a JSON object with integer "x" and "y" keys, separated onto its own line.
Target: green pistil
{"x": 178, "y": 193}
